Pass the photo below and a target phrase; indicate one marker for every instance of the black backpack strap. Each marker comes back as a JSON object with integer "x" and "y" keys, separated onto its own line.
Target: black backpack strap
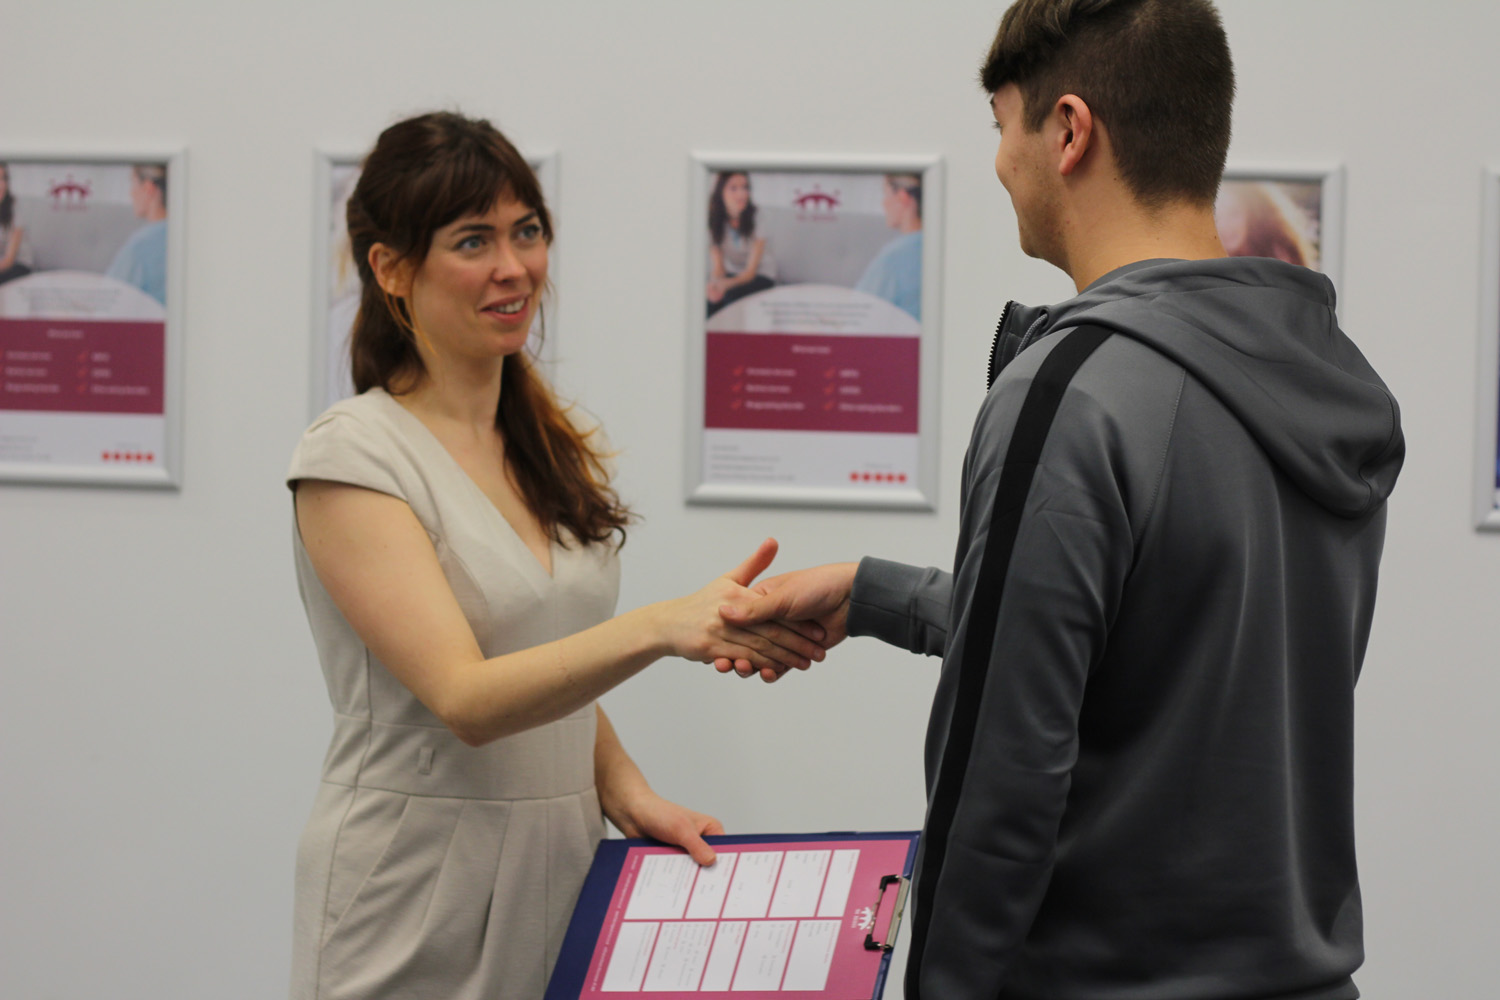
{"x": 1026, "y": 441}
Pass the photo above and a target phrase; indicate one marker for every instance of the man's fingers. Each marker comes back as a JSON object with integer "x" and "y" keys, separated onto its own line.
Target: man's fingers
{"x": 745, "y": 573}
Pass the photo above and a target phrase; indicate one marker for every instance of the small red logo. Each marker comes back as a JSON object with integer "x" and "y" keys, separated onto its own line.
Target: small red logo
{"x": 816, "y": 205}
{"x": 69, "y": 194}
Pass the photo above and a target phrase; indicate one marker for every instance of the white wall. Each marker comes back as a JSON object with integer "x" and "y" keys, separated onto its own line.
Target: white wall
{"x": 162, "y": 717}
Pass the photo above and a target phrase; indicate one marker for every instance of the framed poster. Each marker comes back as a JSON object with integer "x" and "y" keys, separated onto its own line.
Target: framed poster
{"x": 813, "y": 301}
{"x": 336, "y": 280}
{"x": 1291, "y": 213}
{"x": 91, "y": 294}
{"x": 1487, "y": 431}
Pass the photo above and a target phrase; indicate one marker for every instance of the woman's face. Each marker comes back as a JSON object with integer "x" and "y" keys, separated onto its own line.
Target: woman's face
{"x": 736, "y": 194}
{"x": 475, "y": 294}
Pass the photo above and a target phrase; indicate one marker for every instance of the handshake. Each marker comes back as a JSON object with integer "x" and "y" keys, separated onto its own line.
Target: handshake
{"x": 783, "y": 622}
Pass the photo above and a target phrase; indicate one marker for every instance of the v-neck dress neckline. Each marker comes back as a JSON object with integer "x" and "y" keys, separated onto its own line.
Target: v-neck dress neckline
{"x": 431, "y": 441}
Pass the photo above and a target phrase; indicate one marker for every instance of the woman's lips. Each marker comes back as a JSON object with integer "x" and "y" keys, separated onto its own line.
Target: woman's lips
{"x": 507, "y": 308}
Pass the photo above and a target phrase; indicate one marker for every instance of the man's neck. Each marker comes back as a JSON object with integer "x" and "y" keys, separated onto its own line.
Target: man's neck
{"x": 1124, "y": 236}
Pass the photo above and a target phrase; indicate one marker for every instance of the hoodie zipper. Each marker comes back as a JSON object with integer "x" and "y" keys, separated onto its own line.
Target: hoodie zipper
{"x": 994, "y": 369}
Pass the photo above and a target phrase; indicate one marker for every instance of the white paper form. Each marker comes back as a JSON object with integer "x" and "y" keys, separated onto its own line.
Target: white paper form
{"x": 627, "y": 966}
{"x": 800, "y": 883}
{"x": 763, "y": 960}
{"x": 812, "y": 955}
{"x": 710, "y": 889}
{"x": 726, "y": 954}
{"x": 681, "y": 953}
{"x": 661, "y": 887}
{"x": 840, "y": 879}
{"x": 754, "y": 880}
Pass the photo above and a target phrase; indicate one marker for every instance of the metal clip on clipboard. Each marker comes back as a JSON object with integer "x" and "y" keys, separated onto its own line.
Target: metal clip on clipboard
{"x": 886, "y": 882}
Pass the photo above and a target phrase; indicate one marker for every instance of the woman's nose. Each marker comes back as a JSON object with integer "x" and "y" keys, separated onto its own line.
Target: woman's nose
{"x": 507, "y": 262}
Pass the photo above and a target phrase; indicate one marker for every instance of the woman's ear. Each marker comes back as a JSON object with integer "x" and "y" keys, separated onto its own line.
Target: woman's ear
{"x": 392, "y": 273}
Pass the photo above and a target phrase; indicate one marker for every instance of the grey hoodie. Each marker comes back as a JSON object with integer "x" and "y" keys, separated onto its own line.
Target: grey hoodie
{"x": 1158, "y": 802}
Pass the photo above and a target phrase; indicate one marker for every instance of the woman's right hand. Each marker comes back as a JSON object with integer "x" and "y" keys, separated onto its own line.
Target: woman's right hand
{"x": 693, "y": 627}
{"x": 715, "y": 290}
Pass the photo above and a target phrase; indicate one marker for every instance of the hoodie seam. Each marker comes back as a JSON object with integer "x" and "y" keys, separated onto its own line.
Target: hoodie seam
{"x": 1161, "y": 462}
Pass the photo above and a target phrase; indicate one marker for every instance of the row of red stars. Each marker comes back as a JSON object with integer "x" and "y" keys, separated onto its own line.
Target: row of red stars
{"x": 127, "y": 456}
{"x": 877, "y": 477}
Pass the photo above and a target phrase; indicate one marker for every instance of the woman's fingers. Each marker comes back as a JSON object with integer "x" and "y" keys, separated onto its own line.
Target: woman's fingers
{"x": 745, "y": 573}
{"x": 788, "y": 638}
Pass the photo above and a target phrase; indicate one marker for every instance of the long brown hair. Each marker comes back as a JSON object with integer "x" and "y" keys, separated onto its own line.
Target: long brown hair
{"x": 718, "y": 214}
{"x": 8, "y": 203}
{"x": 424, "y": 173}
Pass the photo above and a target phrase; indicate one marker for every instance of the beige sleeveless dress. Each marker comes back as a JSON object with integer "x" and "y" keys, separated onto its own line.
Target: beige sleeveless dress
{"x": 430, "y": 869}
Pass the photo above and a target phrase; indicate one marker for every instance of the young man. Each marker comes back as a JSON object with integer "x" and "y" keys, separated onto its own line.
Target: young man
{"x": 1140, "y": 753}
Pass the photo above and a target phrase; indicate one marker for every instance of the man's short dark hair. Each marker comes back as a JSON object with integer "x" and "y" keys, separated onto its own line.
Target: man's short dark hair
{"x": 1156, "y": 73}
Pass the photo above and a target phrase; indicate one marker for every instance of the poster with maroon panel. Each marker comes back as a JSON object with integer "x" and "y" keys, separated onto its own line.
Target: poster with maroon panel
{"x": 813, "y": 319}
{"x": 90, "y": 306}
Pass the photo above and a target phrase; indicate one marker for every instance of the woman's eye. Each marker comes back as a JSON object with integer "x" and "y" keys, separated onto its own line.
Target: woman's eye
{"x": 529, "y": 232}
{"x": 470, "y": 243}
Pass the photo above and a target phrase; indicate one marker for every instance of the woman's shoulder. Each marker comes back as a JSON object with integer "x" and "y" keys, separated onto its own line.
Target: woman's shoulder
{"x": 355, "y": 441}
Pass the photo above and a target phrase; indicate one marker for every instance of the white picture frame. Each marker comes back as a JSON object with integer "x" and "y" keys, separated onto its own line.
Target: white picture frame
{"x": 1487, "y": 393}
{"x": 109, "y": 403}
{"x": 1303, "y": 204}
{"x": 840, "y": 433}
{"x": 334, "y": 174}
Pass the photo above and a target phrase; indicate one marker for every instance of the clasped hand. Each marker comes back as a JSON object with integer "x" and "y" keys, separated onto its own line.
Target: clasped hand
{"x": 809, "y": 603}
{"x": 693, "y": 627}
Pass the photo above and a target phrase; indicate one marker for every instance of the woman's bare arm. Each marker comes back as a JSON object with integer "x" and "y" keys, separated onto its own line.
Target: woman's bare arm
{"x": 381, "y": 570}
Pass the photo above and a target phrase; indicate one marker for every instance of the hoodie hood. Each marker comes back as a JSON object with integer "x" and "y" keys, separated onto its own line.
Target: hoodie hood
{"x": 1262, "y": 336}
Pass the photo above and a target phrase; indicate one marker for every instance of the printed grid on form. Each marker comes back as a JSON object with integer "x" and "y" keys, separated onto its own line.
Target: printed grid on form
{"x": 757, "y": 921}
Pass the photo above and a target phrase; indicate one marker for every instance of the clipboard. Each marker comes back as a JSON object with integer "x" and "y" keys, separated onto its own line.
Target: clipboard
{"x": 780, "y": 915}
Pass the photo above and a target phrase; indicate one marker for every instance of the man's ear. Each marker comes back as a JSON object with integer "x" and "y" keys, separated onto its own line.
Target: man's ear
{"x": 1075, "y": 129}
{"x": 391, "y": 272}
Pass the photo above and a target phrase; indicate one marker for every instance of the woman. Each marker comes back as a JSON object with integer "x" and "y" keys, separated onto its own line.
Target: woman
{"x": 456, "y": 552}
{"x": 15, "y": 253}
{"x": 740, "y": 263}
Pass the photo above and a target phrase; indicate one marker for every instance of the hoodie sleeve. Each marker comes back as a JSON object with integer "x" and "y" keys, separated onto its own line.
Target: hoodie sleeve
{"x": 905, "y": 606}
{"x": 1006, "y": 779}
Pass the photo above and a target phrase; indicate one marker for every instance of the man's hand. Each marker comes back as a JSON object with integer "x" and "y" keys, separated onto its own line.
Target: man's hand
{"x": 693, "y": 627}
{"x": 819, "y": 596}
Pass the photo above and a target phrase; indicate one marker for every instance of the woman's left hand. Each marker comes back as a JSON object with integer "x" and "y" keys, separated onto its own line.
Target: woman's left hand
{"x": 650, "y": 815}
